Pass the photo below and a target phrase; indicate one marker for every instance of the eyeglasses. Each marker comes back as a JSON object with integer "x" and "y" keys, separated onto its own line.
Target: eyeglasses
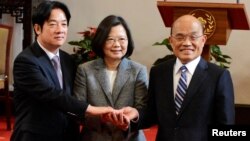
{"x": 182, "y": 37}
{"x": 112, "y": 40}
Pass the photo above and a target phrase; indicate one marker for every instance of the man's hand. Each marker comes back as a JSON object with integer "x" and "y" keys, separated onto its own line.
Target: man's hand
{"x": 121, "y": 118}
{"x": 131, "y": 113}
{"x": 96, "y": 111}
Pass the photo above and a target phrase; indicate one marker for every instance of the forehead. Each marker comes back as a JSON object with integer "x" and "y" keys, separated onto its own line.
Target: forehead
{"x": 118, "y": 29}
{"x": 57, "y": 15}
{"x": 187, "y": 25}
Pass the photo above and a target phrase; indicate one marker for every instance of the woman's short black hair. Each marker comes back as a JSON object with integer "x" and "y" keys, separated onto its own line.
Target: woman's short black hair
{"x": 103, "y": 31}
{"x": 43, "y": 11}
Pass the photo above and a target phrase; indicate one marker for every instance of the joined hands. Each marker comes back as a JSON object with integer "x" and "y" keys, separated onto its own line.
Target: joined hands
{"x": 119, "y": 117}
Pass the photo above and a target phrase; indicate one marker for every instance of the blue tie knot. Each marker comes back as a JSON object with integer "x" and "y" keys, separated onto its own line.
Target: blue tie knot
{"x": 183, "y": 68}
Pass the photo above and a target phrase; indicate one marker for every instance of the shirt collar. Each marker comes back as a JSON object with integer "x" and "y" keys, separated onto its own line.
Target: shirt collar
{"x": 50, "y": 54}
{"x": 191, "y": 66}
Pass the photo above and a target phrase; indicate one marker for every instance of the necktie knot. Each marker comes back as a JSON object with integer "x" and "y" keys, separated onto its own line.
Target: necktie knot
{"x": 183, "y": 68}
{"x": 55, "y": 61}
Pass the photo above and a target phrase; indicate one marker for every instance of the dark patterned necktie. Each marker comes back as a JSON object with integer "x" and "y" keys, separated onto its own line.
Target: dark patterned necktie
{"x": 181, "y": 89}
{"x": 57, "y": 67}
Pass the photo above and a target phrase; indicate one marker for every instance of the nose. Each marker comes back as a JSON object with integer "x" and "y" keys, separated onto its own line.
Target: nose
{"x": 116, "y": 42}
{"x": 60, "y": 28}
{"x": 187, "y": 41}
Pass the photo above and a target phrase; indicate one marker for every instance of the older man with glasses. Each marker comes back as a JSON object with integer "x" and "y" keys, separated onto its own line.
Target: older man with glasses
{"x": 187, "y": 94}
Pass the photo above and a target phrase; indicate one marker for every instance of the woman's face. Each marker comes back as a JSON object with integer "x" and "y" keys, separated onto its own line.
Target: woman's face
{"x": 116, "y": 43}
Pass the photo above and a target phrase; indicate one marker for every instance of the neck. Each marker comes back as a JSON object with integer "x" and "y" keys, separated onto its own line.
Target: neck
{"x": 112, "y": 64}
{"x": 52, "y": 49}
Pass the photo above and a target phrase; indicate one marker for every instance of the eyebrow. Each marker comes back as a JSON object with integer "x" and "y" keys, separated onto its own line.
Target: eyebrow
{"x": 192, "y": 33}
{"x": 52, "y": 20}
{"x": 117, "y": 36}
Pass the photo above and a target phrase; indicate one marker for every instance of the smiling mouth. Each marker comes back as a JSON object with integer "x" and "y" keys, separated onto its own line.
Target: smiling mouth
{"x": 186, "y": 49}
{"x": 59, "y": 37}
{"x": 115, "y": 50}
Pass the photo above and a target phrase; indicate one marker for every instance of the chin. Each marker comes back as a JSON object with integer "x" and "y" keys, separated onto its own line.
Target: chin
{"x": 186, "y": 59}
{"x": 59, "y": 44}
{"x": 116, "y": 58}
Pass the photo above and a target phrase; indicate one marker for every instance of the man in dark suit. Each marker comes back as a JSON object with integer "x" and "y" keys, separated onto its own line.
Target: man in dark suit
{"x": 205, "y": 97}
{"x": 43, "y": 100}
{"x": 208, "y": 100}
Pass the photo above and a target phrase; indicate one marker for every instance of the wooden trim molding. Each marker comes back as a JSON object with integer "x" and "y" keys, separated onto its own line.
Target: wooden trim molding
{"x": 13, "y": 7}
{"x": 242, "y": 114}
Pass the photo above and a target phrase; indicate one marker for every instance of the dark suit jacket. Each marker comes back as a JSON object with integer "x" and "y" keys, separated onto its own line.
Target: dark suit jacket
{"x": 40, "y": 104}
{"x": 209, "y": 101}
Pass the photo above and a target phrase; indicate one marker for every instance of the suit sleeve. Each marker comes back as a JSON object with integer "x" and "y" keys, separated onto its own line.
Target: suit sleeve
{"x": 225, "y": 109}
{"x": 80, "y": 85}
{"x": 141, "y": 87}
{"x": 32, "y": 80}
{"x": 147, "y": 115}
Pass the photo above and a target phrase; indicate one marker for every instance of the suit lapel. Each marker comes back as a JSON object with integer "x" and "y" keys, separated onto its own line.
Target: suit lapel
{"x": 103, "y": 80}
{"x": 68, "y": 71}
{"x": 65, "y": 75}
{"x": 45, "y": 63}
{"x": 168, "y": 87}
{"x": 121, "y": 78}
{"x": 197, "y": 79}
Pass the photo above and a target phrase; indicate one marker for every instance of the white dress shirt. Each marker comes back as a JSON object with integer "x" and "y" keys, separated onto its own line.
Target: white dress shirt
{"x": 191, "y": 66}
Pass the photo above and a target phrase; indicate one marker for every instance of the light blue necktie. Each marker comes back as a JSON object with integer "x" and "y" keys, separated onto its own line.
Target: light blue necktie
{"x": 57, "y": 67}
{"x": 181, "y": 89}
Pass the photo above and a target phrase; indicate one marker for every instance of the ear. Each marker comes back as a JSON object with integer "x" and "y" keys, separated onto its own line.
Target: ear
{"x": 204, "y": 39}
{"x": 37, "y": 29}
{"x": 170, "y": 39}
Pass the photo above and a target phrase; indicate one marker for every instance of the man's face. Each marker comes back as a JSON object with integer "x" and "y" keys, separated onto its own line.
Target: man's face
{"x": 187, "y": 39}
{"x": 54, "y": 31}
